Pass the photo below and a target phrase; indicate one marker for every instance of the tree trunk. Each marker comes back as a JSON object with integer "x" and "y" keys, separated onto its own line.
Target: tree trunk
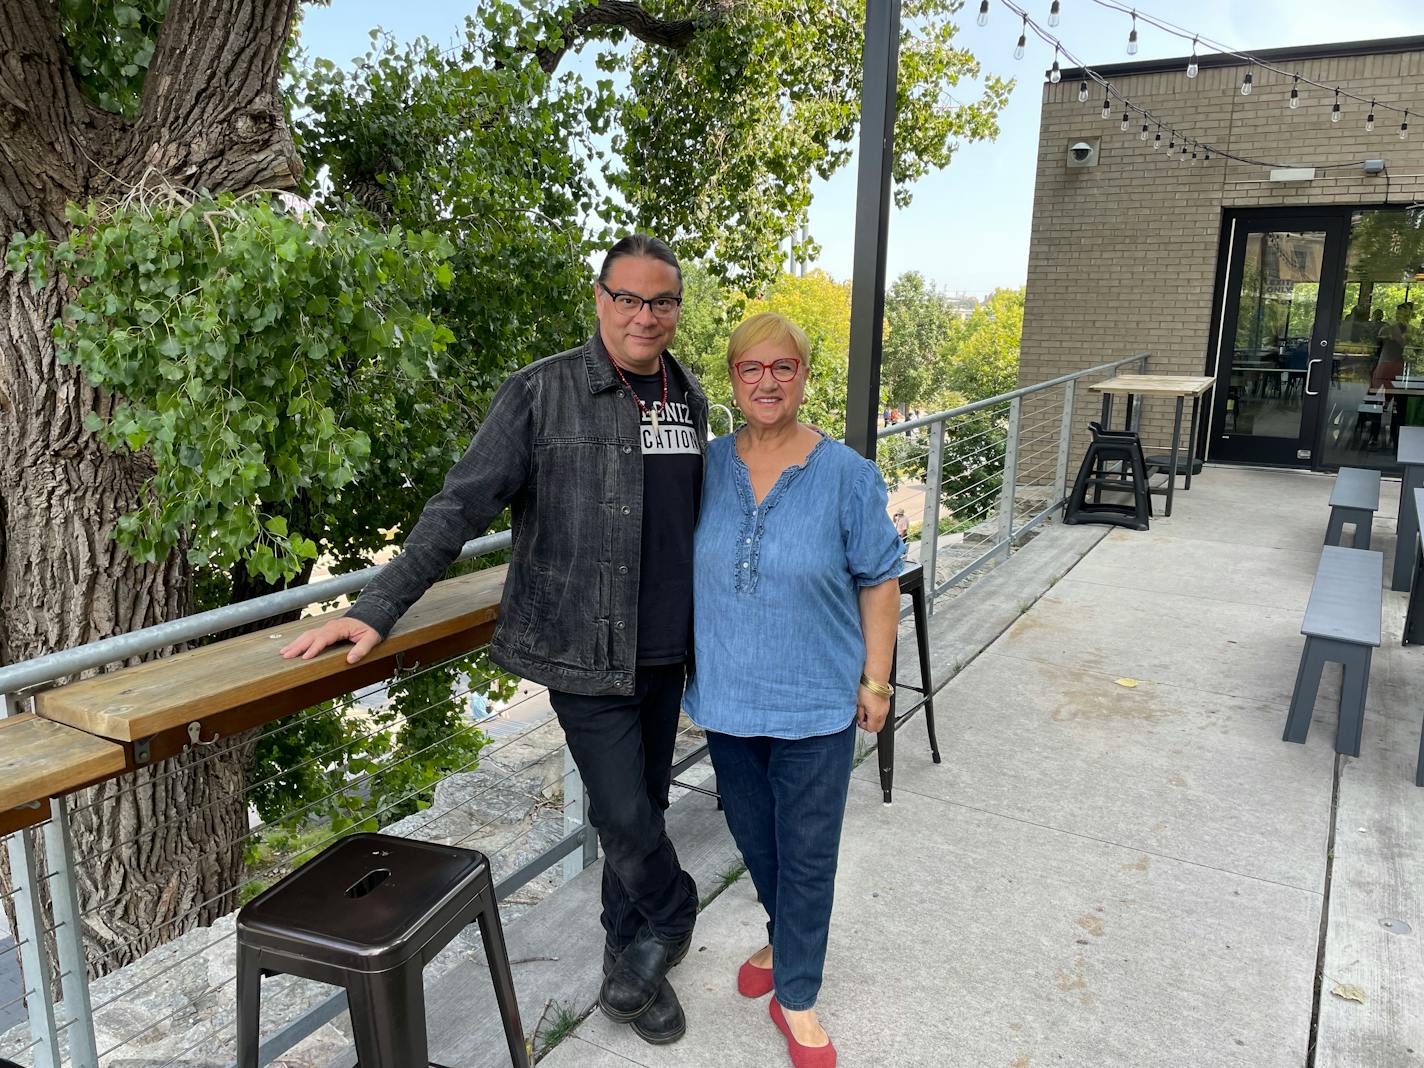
{"x": 159, "y": 852}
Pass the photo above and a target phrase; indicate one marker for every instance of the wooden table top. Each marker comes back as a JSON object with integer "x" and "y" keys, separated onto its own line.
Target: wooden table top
{"x": 172, "y": 691}
{"x": 1156, "y": 385}
{"x": 40, "y": 759}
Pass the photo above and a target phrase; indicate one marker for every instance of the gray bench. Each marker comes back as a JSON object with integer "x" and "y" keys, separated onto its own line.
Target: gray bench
{"x": 1342, "y": 623}
{"x": 1355, "y": 499}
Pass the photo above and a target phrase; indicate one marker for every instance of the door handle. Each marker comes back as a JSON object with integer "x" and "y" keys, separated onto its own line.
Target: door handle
{"x": 1308, "y": 391}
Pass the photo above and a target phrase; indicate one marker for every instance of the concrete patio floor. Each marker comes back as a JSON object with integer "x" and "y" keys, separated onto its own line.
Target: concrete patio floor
{"x": 1119, "y": 861}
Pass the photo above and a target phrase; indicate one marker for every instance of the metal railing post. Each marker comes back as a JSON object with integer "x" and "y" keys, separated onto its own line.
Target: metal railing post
{"x": 576, "y": 818}
{"x": 1065, "y": 442}
{"x": 929, "y": 526}
{"x": 1011, "y": 477}
{"x": 29, "y": 929}
{"x": 69, "y": 938}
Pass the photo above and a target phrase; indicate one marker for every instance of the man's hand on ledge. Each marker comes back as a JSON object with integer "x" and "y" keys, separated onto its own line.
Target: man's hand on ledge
{"x": 345, "y": 629}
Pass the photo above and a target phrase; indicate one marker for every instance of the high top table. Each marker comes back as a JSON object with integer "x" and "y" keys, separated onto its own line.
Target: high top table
{"x": 1411, "y": 457}
{"x": 1179, "y": 386}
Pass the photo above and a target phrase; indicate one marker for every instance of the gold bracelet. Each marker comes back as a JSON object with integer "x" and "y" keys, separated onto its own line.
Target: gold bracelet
{"x": 879, "y": 689}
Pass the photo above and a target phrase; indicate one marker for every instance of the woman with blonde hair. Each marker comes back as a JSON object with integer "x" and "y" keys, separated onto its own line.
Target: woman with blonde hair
{"x": 795, "y": 600}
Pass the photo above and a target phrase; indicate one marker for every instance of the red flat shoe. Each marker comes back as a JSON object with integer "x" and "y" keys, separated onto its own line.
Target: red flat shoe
{"x": 754, "y": 981}
{"x": 803, "y": 1056}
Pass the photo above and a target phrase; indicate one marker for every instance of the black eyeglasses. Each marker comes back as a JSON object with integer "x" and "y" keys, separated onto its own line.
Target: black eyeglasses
{"x": 630, "y": 304}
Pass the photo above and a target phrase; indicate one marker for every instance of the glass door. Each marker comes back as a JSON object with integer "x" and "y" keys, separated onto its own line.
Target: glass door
{"x": 1377, "y": 372}
{"x": 1277, "y": 331}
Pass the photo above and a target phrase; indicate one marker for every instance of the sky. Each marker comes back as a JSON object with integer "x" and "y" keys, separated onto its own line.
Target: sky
{"x": 967, "y": 229}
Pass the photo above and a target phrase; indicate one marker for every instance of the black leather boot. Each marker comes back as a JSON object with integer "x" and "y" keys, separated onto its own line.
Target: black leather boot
{"x": 633, "y": 983}
{"x": 663, "y": 1022}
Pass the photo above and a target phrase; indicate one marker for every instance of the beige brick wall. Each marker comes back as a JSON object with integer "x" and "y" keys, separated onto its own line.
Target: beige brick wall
{"x": 1123, "y": 255}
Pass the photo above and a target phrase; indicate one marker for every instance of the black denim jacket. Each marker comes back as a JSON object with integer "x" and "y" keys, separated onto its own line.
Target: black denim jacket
{"x": 560, "y": 446}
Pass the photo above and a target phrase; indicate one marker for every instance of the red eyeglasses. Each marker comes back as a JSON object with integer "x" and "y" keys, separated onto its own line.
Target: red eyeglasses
{"x": 752, "y": 371}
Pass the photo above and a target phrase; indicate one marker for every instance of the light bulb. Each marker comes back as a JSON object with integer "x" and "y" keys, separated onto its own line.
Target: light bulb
{"x": 1132, "y": 39}
{"x": 1125, "y": 120}
{"x": 1194, "y": 155}
{"x": 1246, "y": 84}
{"x": 1053, "y": 14}
{"x": 1172, "y": 143}
{"x": 1370, "y": 119}
{"x": 983, "y": 18}
{"x": 1404, "y": 128}
{"x": 1143, "y": 135}
{"x": 1207, "y": 157}
{"x": 1157, "y": 141}
{"x": 1335, "y": 111}
{"x": 1056, "y": 74}
{"x": 1082, "y": 92}
{"x": 1183, "y": 157}
{"x": 1023, "y": 40}
{"x": 1107, "y": 107}
{"x": 1192, "y": 66}
{"x": 1295, "y": 92}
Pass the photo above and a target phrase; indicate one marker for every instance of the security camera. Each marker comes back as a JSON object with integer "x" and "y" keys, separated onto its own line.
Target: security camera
{"x": 1083, "y": 153}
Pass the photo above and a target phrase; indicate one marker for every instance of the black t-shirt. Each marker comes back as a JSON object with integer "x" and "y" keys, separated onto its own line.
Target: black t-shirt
{"x": 672, "y": 478}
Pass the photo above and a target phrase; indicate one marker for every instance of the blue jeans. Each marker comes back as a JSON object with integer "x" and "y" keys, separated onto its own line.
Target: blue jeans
{"x": 785, "y": 801}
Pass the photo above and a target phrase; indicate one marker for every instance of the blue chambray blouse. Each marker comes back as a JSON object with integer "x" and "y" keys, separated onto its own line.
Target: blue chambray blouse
{"x": 776, "y": 603}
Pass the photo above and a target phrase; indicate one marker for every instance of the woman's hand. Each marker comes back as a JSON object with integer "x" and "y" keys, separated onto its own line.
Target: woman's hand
{"x": 870, "y": 711}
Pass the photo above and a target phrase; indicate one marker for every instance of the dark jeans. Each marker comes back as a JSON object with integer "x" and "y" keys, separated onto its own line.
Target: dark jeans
{"x": 785, "y": 802}
{"x": 623, "y": 748}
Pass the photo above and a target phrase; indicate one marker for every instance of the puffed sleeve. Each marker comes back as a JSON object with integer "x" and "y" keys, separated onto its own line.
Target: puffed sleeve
{"x": 873, "y": 549}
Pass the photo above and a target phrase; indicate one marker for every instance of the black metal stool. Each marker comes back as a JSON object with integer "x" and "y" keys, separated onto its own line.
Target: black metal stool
{"x": 1111, "y": 446}
{"x": 912, "y": 582}
{"x": 368, "y": 914}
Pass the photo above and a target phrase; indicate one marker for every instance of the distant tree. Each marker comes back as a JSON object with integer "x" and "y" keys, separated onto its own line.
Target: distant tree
{"x": 919, "y": 323}
{"x": 981, "y": 358}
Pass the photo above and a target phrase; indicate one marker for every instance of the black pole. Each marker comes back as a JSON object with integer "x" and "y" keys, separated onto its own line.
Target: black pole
{"x": 872, "y": 222}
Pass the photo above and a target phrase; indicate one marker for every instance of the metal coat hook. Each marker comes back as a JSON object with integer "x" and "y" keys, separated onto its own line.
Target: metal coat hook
{"x": 195, "y": 736}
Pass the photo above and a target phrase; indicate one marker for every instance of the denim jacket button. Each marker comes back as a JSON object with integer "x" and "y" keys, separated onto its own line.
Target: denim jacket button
{"x": 620, "y": 394}
{"x": 619, "y": 624}
{"x": 627, "y": 448}
{"x": 627, "y": 510}
{"x": 622, "y": 569}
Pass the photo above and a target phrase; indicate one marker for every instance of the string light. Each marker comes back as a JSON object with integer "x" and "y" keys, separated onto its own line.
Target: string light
{"x": 983, "y": 18}
{"x": 1247, "y": 84}
{"x": 1207, "y": 158}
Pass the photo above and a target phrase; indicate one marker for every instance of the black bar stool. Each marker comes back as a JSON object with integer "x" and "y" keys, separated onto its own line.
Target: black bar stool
{"x": 368, "y": 914}
{"x": 912, "y": 583}
{"x": 1125, "y": 449}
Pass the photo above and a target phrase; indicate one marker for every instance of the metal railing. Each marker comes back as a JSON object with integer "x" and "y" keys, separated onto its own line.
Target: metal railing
{"x": 992, "y": 472}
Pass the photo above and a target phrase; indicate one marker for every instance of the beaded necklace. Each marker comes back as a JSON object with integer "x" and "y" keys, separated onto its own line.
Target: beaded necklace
{"x": 644, "y": 408}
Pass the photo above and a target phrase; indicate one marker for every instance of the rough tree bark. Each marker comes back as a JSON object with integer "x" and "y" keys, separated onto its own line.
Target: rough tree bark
{"x": 159, "y": 852}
